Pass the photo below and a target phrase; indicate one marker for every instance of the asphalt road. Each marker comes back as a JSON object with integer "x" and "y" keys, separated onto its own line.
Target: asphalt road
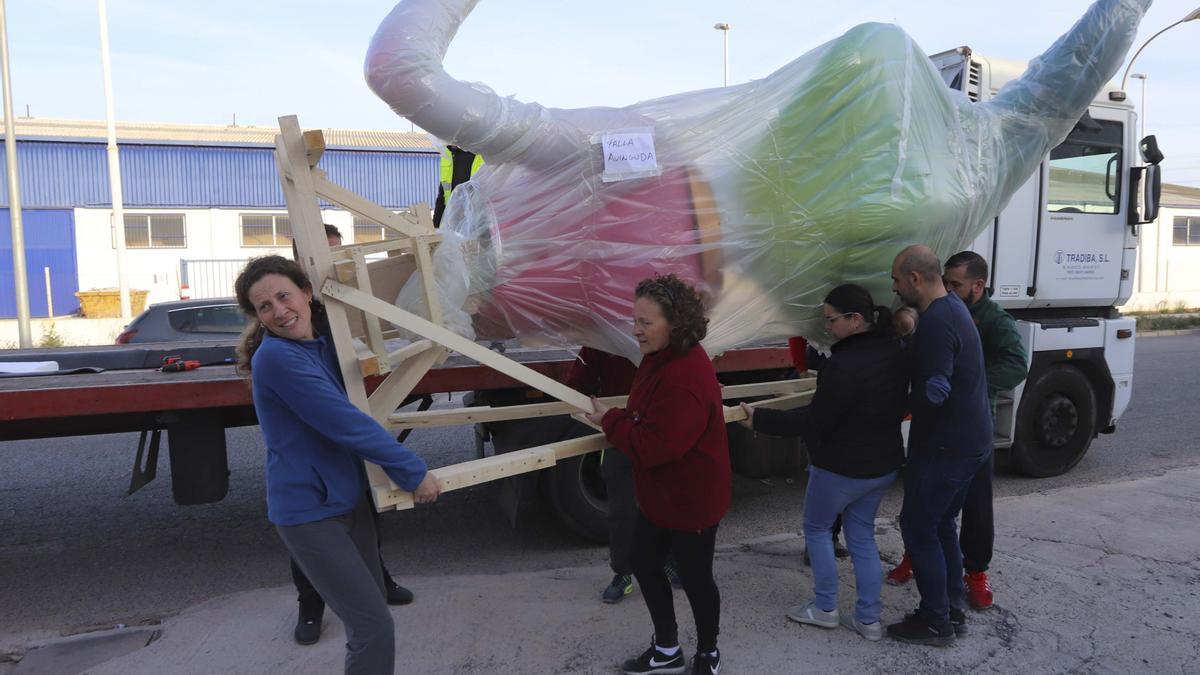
{"x": 76, "y": 554}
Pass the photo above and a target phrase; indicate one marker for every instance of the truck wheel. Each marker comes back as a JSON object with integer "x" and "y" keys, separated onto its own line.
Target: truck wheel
{"x": 576, "y": 492}
{"x": 1056, "y": 422}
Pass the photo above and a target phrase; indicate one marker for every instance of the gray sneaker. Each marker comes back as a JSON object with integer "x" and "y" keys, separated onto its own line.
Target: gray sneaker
{"x": 814, "y": 616}
{"x": 869, "y": 631}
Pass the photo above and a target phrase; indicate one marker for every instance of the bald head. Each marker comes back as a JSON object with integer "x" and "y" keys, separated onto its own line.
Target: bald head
{"x": 921, "y": 259}
{"x": 917, "y": 276}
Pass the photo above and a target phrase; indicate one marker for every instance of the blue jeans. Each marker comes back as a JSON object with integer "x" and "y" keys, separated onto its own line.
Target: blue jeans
{"x": 857, "y": 500}
{"x": 934, "y": 491}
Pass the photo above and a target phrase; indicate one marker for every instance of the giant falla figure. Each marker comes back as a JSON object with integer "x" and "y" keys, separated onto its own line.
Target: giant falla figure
{"x": 764, "y": 194}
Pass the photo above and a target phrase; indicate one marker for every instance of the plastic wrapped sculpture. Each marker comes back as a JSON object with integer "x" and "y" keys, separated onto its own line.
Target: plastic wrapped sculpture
{"x": 765, "y": 194}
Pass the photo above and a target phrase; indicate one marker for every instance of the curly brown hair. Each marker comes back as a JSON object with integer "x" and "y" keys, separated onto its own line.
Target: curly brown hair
{"x": 256, "y": 269}
{"x": 681, "y": 307}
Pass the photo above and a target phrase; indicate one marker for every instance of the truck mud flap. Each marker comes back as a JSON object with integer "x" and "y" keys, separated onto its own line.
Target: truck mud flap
{"x": 199, "y": 461}
{"x": 145, "y": 471}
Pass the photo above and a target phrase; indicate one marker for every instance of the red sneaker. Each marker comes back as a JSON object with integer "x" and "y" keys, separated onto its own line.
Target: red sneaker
{"x": 901, "y": 574}
{"x": 979, "y": 591}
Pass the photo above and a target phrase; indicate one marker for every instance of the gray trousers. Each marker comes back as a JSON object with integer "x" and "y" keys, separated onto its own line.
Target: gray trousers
{"x": 340, "y": 557}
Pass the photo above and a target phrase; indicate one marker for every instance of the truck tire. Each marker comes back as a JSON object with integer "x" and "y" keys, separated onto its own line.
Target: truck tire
{"x": 575, "y": 491}
{"x": 1055, "y": 423}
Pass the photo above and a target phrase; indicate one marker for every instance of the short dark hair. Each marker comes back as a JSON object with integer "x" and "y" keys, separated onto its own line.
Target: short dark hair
{"x": 331, "y": 231}
{"x": 681, "y": 307}
{"x": 977, "y": 267}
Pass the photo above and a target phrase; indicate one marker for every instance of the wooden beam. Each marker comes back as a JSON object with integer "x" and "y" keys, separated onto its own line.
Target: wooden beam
{"x": 475, "y": 472}
{"x": 408, "y": 351}
{"x": 308, "y": 231}
{"x": 399, "y": 384}
{"x": 314, "y": 146}
{"x": 361, "y": 206}
{"x": 374, "y": 331}
{"x": 466, "y": 474}
{"x": 478, "y": 414}
{"x": 344, "y": 253}
{"x": 431, "y": 331}
{"x": 428, "y": 283}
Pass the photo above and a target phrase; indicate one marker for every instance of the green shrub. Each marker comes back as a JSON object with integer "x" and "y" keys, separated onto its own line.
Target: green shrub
{"x": 50, "y": 336}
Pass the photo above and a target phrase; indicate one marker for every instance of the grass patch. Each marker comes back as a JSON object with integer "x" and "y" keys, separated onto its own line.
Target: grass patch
{"x": 1161, "y": 307}
{"x": 1152, "y": 322}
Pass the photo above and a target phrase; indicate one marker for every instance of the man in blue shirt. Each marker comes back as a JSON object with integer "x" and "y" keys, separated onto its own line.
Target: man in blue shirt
{"x": 949, "y": 441}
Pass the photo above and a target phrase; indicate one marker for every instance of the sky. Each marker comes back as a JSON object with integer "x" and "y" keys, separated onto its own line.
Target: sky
{"x": 205, "y": 62}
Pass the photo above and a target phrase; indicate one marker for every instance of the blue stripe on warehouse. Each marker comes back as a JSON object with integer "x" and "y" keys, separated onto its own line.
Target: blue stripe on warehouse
{"x": 49, "y": 242}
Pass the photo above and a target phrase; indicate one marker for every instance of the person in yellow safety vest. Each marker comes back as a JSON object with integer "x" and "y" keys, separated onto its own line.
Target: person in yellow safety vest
{"x": 457, "y": 167}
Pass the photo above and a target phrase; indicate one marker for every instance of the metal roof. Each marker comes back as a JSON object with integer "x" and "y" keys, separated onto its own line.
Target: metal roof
{"x": 1180, "y": 196}
{"x": 154, "y": 133}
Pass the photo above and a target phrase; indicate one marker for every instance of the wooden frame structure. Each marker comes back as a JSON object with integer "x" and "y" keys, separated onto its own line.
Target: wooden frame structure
{"x": 351, "y": 288}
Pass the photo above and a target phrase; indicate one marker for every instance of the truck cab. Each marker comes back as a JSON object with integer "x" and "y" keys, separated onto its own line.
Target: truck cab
{"x": 1061, "y": 257}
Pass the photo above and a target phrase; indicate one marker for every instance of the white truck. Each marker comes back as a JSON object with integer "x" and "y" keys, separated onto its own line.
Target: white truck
{"x": 1062, "y": 256}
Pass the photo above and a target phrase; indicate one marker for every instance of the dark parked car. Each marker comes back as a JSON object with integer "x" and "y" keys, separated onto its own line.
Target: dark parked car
{"x": 205, "y": 319}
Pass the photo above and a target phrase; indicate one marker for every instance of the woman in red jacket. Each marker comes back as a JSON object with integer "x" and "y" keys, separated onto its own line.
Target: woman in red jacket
{"x": 673, "y": 430}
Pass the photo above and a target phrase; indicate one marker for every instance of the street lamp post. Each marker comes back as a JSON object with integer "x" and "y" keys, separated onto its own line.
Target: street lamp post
{"x": 1119, "y": 95}
{"x": 724, "y": 28}
{"x": 1142, "y": 108}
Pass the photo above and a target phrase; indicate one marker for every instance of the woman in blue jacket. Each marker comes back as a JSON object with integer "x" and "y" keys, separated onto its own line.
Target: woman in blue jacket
{"x": 316, "y": 439}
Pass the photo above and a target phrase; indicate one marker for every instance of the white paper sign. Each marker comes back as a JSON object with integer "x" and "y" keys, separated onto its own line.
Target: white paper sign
{"x": 629, "y": 155}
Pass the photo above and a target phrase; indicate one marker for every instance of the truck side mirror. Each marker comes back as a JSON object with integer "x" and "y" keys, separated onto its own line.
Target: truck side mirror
{"x": 1145, "y": 184}
{"x": 1149, "y": 149}
{"x": 1144, "y": 194}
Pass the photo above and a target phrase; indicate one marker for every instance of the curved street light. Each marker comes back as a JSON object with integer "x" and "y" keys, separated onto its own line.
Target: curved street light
{"x": 1119, "y": 95}
{"x": 724, "y": 28}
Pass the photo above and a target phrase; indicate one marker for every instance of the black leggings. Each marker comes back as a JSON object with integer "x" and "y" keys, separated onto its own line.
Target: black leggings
{"x": 693, "y": 553}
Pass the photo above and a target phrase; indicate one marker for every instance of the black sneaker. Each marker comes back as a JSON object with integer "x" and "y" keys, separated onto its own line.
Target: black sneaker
{"x": 917, "y": 630}
{"x": 704, "y": 663}
{"x": 397, "y": 594}
{"x": 654, "y": 661}
{"x": 621, "y": 586}
{"x": 958, "y": 621}
{"x": 308, "y": 625}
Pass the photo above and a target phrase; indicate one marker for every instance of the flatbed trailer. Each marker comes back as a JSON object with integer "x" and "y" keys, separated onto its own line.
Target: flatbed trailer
{"x": 195, "y": 407}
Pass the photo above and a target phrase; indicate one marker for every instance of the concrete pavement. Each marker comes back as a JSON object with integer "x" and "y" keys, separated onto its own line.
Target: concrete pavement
{"x": 1102, "y": 578}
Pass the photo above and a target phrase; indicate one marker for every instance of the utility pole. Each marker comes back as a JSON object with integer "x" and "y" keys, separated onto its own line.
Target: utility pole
{"x": 114, "y": 165}
{"x": 20, "y": 282}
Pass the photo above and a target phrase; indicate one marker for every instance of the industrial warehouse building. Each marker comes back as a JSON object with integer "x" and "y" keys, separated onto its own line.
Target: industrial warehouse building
{"x": 1168, "y": 262}
{"x": 198, "y": 201}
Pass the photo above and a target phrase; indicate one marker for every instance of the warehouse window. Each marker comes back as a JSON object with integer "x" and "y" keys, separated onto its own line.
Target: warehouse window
{"x": 266, "y": 229}
{"x": 1187, "y": 231}
{"x": 368, "y": 230}
{"x": 155, "y": 230}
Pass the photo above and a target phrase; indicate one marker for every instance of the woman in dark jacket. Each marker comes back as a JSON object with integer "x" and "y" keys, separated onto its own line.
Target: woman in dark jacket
{"x": 852, "y": 430}
{"x": 673, "y": 430}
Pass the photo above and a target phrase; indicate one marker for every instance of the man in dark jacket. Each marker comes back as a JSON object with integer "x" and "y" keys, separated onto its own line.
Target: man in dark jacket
{"x": 1006, "y": 364}
{"x": 949, "y": 441}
